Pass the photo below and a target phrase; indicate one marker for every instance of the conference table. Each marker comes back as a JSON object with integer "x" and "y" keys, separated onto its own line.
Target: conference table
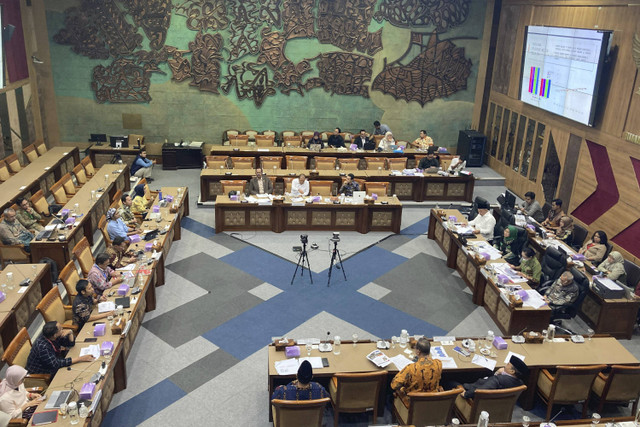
{"x": 105, "y": 154}
{"x": 19, "y": 307}
{"x": 40, "y": 174}
{"x": 107, "y": 180}
{"x": 285, "y": 214}
{"x": 599, "y": 350}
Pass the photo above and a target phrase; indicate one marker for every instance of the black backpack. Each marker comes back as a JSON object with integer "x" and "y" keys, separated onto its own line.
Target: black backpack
{"x": 53, "y": 268}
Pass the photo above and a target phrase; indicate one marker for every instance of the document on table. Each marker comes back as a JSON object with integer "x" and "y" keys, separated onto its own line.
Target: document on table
{"x": 482, "y": 246}
{"x": 401, "y": 361}
{"x": 105, "y": 306}
{"x": 93, "y": 350}
{"x": 438, "y": 352}
{"x": 504, "y": 268}
{"x": 484, "y": 362}
{"x": 448, "y": 363}
{"x": 511, "y": 353}
{"x": 287, "y": 366}
{"x": 128, "y": 267}
{"x": 534, "y": 300}
{"x": 316, "y": 362}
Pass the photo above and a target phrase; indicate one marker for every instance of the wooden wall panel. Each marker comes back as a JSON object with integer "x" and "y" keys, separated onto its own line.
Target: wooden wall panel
{"x": 509, "y": 23}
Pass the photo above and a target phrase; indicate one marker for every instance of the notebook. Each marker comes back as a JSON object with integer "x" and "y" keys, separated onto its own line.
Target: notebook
{"x": 46, "y": 417}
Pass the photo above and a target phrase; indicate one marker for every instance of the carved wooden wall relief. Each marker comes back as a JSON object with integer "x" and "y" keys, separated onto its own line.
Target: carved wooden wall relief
{"x": 270, "y": 13}
{"x": 287, "y": 75}
{"x": 250, "y": 81}
{"x": 342, "y": 73}
{"x": 244, "y": 28}
{"x": 121, "y": 81}
{"x": 154, "y": 16}
{"x": 443, "y": 14}
{"x": 203, "y": 15}
{"x": 440, "y": 70}
{"x": 205, "y": 61}
{"x": 298, "y": 18}
{"x": 180, "y": 66}
{"x": 344, "y": 23}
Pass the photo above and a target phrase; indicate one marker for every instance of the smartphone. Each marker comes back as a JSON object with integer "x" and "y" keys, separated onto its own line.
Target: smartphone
{"x": 91, "y": 339}
{"x": 98, "y": 323}
{"x": 462, "y": 351}
{"x": 325, "y": 362}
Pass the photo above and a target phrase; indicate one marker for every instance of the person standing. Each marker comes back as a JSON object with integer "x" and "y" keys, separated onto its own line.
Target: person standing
{"x": 380, "y": 129}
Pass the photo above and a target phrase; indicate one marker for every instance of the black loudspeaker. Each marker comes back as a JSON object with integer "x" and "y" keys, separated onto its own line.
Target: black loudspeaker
{"x": 471, "y": 147}
{"x": 7, "y": 33}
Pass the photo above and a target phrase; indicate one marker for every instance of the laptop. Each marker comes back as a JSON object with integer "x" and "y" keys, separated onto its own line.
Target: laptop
{"x": 358, "y": 197}
{"x": 58, "y": 398}
{"x": 432, "y": 169}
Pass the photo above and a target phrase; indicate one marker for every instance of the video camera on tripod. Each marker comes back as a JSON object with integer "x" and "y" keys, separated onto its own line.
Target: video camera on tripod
{"x": 304, "y": 239}
{"x": 335, "y": 237}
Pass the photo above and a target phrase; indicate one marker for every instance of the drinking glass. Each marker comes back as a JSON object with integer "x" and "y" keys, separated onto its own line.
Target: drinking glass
{"x": 525, "y": 421}
{"x": 309, "y": 347}
{"x": 394, "y": 341}
{"x": 110, "y": 319}
{"x": 355, "y": 339}
{"x": 590, "y": 333}
{"x": 63, "y": 410}
{"x": 595, "y": 419}
{"x": 107, "y": 356}
{"x": 4, "y": 288}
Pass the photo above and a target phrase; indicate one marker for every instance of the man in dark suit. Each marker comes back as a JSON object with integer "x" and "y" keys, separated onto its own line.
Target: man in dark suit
{"x": 363, "y": 141}
{"x": 512, "y": 375}
{"x": 336, "y": 140}
{"x": 260, "y": 184}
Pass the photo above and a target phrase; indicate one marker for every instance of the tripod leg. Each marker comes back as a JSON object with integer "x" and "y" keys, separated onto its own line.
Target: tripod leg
{"x": 333, "y": 258}
{"x": 296, "y": 271}
{"x": 341, "y": 266}
{"x": 306, "y": 257}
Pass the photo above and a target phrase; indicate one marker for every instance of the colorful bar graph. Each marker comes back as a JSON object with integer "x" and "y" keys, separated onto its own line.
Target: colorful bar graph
{"x": 538, "y": 86}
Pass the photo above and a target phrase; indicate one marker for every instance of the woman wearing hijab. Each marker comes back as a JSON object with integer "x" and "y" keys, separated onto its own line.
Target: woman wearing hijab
{"x": 565, "y": 231}
{"x": 315, "y": 139}
{"x": 14, "y": 399}
{"x": 386, "y": 142}
{"x": 613, "y": 267}
{"x": 139, "y": 204}
{"x": 509, "y": 237}
{"x": 116, "y": 227}
{"x": 596, "y": 248}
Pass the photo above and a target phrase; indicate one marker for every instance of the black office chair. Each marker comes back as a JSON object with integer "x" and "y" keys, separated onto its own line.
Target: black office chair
{"x": 474, "y": 209}
{"x": 633, "y": 274}
{"x": 545, "y": 209}
{"x": 609, "y": 249}
{"x": 506, "y": 219}
{"x": 553, "y": 264}
{"x": 579, "y": 235}
{"x": 569, "y": 311}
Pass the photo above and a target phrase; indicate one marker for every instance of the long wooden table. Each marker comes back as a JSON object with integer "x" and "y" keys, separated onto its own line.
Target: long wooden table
{"x": 108, "y": 179}
{"x": 40, "y": 174}
{"x": 605, "y": 350}
{"x": 405, "y": 187}
{"x": 104, "y": 154}
{"x": 278, "y": 217}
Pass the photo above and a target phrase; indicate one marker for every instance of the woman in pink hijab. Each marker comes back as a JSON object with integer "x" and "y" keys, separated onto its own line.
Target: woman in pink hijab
{"x": 14, "y": 399}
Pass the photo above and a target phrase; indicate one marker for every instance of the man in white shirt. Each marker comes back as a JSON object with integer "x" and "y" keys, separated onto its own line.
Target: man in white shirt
{"x": 484, "y": 223}
{"x": 300, "y": 186}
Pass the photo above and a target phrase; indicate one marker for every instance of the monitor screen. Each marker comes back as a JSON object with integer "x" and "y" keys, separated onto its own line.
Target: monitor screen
{"x": 119, "y": 141}
{"x": 561, "y": 70}
{"x": 98, "y": 137}
{"x": 509, "y": 199}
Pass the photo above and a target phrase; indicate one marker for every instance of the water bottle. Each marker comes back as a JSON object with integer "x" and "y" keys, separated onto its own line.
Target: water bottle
{"x": 551, "y": 333}
{"x": 83, "y": 411}
{"x": 72, "y": 409}
{"x": 490, "y": 338}
{"x": 455, "y": 422}
{"x": 160, "y": 195}
{"x": 336, "y": 345}
{"x": 404, "y": 338}
{"x": 483, "y": 420}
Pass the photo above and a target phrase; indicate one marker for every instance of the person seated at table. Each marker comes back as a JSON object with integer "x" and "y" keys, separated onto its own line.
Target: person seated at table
{"x": 118, "y": 255}
{"x": 315, "y": 139}
{"x": 101, "y": 276}
{"x": 562, "y": 293}
{"x": 565, "y": 231}
{"x": 142, "y": 167}
{"x": 336, "y": 140}
{"x": 12, "y": 232}
{"x": 531, "y": 207}
{"x": 363, "y": 141}
{"x": 484, "y": 223}
{"x": 529, "y": 267}
{"x": 300, "y": 186}
{"x": 380, "y": 129}
{"x": 117, "y": 227}
{"x": 27, "y": 216}
{"x": 14, "y": 398}
{"x": 512, "y": 375}
{"x": 386, "y": 142}
{"x": 84, "y": 302}
{"x": 349, "y": 186}
{"x": 613, "y": 267}
{"x": 302, "y": 388}
{"x": 50, "y": 348}
{"x": 429, "y": 161}
{"x": 554, "y": 215}
{"x": 139, "y": 205}
{"x": 423, "y": 141}
{"x": 421, "y": 376}
{"x": 506, "y": 245}
{"x": 260, "y": 184}
{"x": 125, "y": 210}
{"x": 596, "y": 248}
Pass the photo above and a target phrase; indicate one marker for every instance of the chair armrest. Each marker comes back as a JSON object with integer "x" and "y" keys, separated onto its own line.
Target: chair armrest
{"x": 74, "y": 328}
{"x": 38, "y": 390}
{"x": 68, "y": 311}
{"x": 17, "y": 422}
{"x": 547, "y": 374}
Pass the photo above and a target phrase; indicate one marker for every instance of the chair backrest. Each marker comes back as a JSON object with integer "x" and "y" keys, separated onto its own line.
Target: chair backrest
{"x": 402, "y": 143}
{"x": 58, "y": 193}
{"x": 579, "y": 235}
{"x": 134, "y": 138}
{"x": 322, "y": 188}
{"x": 269, "y": 133}
{"x": 264, "y": 140}
{"x": 377, "y": 139}
{"x": 115, "y": 200}
{"x": 380, "y": 188}
{"x": 229, "y": 133}
{"x": 102, "y": 225}
{"x": 239, "y": 185}
{"x": 622, "y": 384}
{"x": 358, "y": 391}
{"x": 553, "y": 264}
{"x": 39, "y": 202}
{"x": 238, "y": 140}
{"x": 287, "y": 133}
{"x": 82, "y": 252}
{"x": 546, "y": 208}
{"x": 633, "y": 273}
{"x": 217, "y": 162}
{"x": 17, "y": 352}
{"x": 294, "y": 413}
{"x": 4, "y": 171}
{"x": 325, "y": 163}
{"x": 431, "y": 408}
{"x": 296, "y": 162}
{"x": 349, "y": 164}
{"x": 13, "y": 163}
{"x": 68, "y": 185}
{"x": 521, "y": 239}
{"x": 287, "y": 183}
{"x": 69, "y": 277}
{"x": 399, "y": 163}
{"x": 251, "y": 134}
{"x": 89, "y": 170}
{"x": 268, "y": 162}
{"x": 583, "y": 286}
{"x": 293, "y": 140}
{"x": 13, "y": 253}
{"x": 499, "y": 403}
{"x": 80, "y": 174}
{"x": 40, "y": 147}
{"x": 306, "y": 135}
{"x": 51, "y": 307}
{"x": 573, "y": 383}
{"x": 375, "y": 163}
{"x": 30, "y": 152}
{"x": 242, "y": 162}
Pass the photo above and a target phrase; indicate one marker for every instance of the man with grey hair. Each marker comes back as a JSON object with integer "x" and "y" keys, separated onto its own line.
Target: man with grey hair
{"x": 422, "y": 376}
{"x": 563, "y": 292}
{"x": 12, "y": 232}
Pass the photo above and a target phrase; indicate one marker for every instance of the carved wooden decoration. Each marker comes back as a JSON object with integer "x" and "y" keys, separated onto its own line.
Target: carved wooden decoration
{"x": 287, "y": 75}
{"x": 203, "y": 15}
{"x": 122, "y": 81}
{"x": 82, "y": 33}
{"x": 154, "y": 16}
{"x": 244, "y": 29}
{"x": 205, "y": 61}
{"x": 250, "y": 82}
{"x": 342, "y": 73}
{"x": 443, "y": 14}
{"x": 298, "y": 18}
{"x": 440, "y": 70}
{"x": 636, "y": 53}
{"x": 180, "y": 66}
{"x": 344, "y": 23}
{"x": 270, "y": 13}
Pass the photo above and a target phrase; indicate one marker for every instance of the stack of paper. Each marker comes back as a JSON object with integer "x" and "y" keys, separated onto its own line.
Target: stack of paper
{"x": 93, "y": 350}
{"x": 378, "y": 358}
{"x": 291, "y": 366}
{"x": 401, "y": 361}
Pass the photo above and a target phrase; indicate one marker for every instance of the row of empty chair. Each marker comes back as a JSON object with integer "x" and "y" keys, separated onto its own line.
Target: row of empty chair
{"x": 11, "y": 165}
{"x": 300, "y": 162}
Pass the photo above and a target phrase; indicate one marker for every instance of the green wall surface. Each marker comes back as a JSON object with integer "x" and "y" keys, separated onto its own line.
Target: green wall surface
{"x": 178, "y": 111}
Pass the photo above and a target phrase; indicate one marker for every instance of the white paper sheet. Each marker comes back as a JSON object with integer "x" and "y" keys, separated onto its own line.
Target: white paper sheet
{"x": 93, "y": 350}
{"x": 105, "y": 306}
{"x": 287, "y": 367}
{"x": 484, "y": 362}
{"x": 444, "y": 338}
{"x": 448, "y": 363}
{"x": 401, "y": 361}
{"x": 316, "y": 362}
{"x": 22, "y": 289}
{"x": 511, "y": 353}
{"x": 534, "y": 300}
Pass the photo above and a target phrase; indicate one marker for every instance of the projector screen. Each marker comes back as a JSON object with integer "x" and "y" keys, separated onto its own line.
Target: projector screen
{"x": 561, "y": 70}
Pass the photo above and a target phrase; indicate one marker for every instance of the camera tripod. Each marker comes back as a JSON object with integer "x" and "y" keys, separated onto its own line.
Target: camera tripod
{"x": 336, "y": 254}
{"x": 301, "y": 260}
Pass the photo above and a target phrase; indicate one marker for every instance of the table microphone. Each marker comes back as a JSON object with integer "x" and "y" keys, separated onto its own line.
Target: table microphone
{"x": 325, "y": 347}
